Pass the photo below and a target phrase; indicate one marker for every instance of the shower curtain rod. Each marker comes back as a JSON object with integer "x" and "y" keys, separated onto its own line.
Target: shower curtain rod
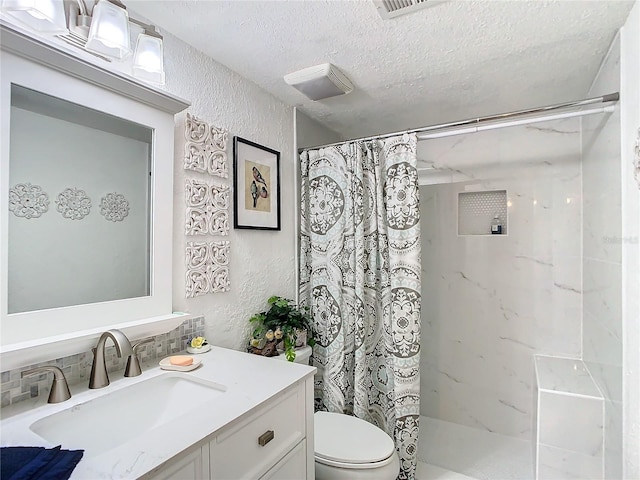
{"x": 474, "y": 123}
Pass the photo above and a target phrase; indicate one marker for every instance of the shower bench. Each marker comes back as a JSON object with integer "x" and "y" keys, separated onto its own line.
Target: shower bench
{"x": 568, "y": 422}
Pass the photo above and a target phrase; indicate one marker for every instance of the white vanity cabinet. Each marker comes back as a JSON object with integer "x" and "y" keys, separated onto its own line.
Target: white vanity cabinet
{"x": 191, "y": 465}
{"x": 235, "y": 416}
{"x": 253, "y": 445}
{"x": 270, "y": 442}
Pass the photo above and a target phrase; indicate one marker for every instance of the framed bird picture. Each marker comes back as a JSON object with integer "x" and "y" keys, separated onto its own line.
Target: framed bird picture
{"x": 256, "y": 186}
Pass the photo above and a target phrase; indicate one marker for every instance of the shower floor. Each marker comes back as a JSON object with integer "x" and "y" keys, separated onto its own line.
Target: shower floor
{"x": 448, "y": 451}
{"x": 427, "y": 471}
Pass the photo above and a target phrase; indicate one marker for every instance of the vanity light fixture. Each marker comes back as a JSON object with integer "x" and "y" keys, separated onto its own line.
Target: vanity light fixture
{"x": 105, "y": 30}
{"x": 109, "y": 31}
{"x": 42, "y": 15}
{"x": 148, "y": 63}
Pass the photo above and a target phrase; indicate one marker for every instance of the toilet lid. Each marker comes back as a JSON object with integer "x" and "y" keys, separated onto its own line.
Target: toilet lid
{"x": 347, "y": 439}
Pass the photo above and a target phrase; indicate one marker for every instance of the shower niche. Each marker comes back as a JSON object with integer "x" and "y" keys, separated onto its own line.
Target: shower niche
{"x": 482, "y": 212}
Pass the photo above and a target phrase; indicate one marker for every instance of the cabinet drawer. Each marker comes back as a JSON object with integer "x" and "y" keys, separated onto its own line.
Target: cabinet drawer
{"x": 291, "y": 467}
{"x": 248, "y": 449}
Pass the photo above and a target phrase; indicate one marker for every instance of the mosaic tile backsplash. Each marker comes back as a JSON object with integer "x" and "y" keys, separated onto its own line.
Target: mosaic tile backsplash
{"x": 77, "y": 368}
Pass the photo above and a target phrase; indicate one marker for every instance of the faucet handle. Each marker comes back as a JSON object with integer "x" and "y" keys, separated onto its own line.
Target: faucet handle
{"x": 133, "y": 368}
{"x": 59, "y": 388}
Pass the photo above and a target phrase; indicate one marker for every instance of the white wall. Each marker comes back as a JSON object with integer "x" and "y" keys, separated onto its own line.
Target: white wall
{"x": 310, "y": 133}
{"x": 630, "y": 106}
{"x": 54, "y": 261}
{"x": 489, "y": 303}
{"x": 262, "y": 262}
{"x": 602, "y": 257}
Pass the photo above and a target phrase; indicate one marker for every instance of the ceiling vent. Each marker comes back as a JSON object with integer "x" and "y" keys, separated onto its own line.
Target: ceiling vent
{"x": 394, "y": 8}
{"x": 320, "y": 81}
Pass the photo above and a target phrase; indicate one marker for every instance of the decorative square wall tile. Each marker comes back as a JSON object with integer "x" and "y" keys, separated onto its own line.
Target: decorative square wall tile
{"x": 207, "y": 208}
{"x": 205, "y": 150}
{"x": 207, "y": 268}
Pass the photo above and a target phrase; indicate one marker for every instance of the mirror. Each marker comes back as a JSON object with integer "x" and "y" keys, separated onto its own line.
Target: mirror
{"x": 99, "y": 147}
{"x": 79, "y": 203}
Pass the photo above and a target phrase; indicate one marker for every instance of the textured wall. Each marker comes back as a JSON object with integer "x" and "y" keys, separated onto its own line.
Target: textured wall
{"x": 491, "y": 302}
{"x": 602, "y": 258}
{"x": 262, "y": 262}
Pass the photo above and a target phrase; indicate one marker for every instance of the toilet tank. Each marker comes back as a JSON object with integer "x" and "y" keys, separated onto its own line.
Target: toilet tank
{"x": 302, "y": 355}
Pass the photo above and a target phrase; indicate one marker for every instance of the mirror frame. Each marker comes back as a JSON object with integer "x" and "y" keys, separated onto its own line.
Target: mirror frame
{"x": 52, "y": 70}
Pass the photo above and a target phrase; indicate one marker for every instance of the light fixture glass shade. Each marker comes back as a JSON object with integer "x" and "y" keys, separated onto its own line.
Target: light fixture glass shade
{"x": 148, "y": 63}
{"x": 109, "y": 32}
{"x": 134, "y": 31}
{"x": 41, "y": 15}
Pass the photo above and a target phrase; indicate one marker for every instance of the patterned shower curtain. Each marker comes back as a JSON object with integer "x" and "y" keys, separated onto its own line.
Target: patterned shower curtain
{"x": 360, "y": 274}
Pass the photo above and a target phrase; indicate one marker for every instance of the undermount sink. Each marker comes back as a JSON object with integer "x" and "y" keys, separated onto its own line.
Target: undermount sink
{"x": 113, "y": 419}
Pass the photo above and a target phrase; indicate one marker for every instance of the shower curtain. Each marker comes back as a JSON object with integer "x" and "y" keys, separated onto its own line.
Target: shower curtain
{"x": 360, "y": 275}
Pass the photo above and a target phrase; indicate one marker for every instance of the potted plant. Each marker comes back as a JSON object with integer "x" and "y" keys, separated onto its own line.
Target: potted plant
{"x": 285, "y": 324}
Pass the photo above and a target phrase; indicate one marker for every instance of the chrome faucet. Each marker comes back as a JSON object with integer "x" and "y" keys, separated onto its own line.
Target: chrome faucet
{"x": 59, "y": 388}
{"x": 99, "y": 377}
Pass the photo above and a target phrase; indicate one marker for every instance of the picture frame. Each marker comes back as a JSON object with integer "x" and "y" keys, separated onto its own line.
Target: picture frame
{"x": 256, "y": 186}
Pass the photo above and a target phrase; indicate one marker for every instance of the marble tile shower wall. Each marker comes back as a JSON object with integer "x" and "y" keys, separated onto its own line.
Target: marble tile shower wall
{"x": 77, "y": 368}
{"x": 491, "y": 302}
{"x": 602, "y": 258}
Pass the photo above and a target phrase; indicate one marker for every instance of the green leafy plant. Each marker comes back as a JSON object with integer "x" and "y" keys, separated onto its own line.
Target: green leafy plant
{"x": 285, "y": 319}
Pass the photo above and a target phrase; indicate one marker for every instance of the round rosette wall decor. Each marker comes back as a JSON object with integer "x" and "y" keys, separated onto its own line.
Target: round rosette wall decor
{"x": 28, "y": 201}
{"x": 114, "y": 207}
{"x": 73, "y": 203}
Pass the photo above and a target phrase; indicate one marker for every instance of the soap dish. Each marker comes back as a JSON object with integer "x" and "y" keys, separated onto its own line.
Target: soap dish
{"x": 165, "y": 364}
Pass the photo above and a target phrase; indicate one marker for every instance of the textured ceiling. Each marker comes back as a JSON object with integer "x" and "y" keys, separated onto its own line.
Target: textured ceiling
{"x": 451, "y": 61}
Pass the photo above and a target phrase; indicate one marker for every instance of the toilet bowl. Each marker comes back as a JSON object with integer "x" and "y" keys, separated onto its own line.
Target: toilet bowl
{"x": 349, "y": 448}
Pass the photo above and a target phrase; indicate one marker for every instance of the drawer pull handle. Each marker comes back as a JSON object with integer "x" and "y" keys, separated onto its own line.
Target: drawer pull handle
{"x": 265, "y": 438}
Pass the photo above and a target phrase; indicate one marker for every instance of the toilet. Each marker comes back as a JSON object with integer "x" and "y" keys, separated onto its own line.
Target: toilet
{"x": 349, "y": 448}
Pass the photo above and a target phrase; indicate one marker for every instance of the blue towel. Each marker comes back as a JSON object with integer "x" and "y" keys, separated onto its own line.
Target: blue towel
{"x": 37, "y": 463}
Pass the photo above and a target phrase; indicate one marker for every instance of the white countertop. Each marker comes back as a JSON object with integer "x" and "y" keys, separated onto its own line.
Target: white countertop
{"x": 250, "y": 380}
